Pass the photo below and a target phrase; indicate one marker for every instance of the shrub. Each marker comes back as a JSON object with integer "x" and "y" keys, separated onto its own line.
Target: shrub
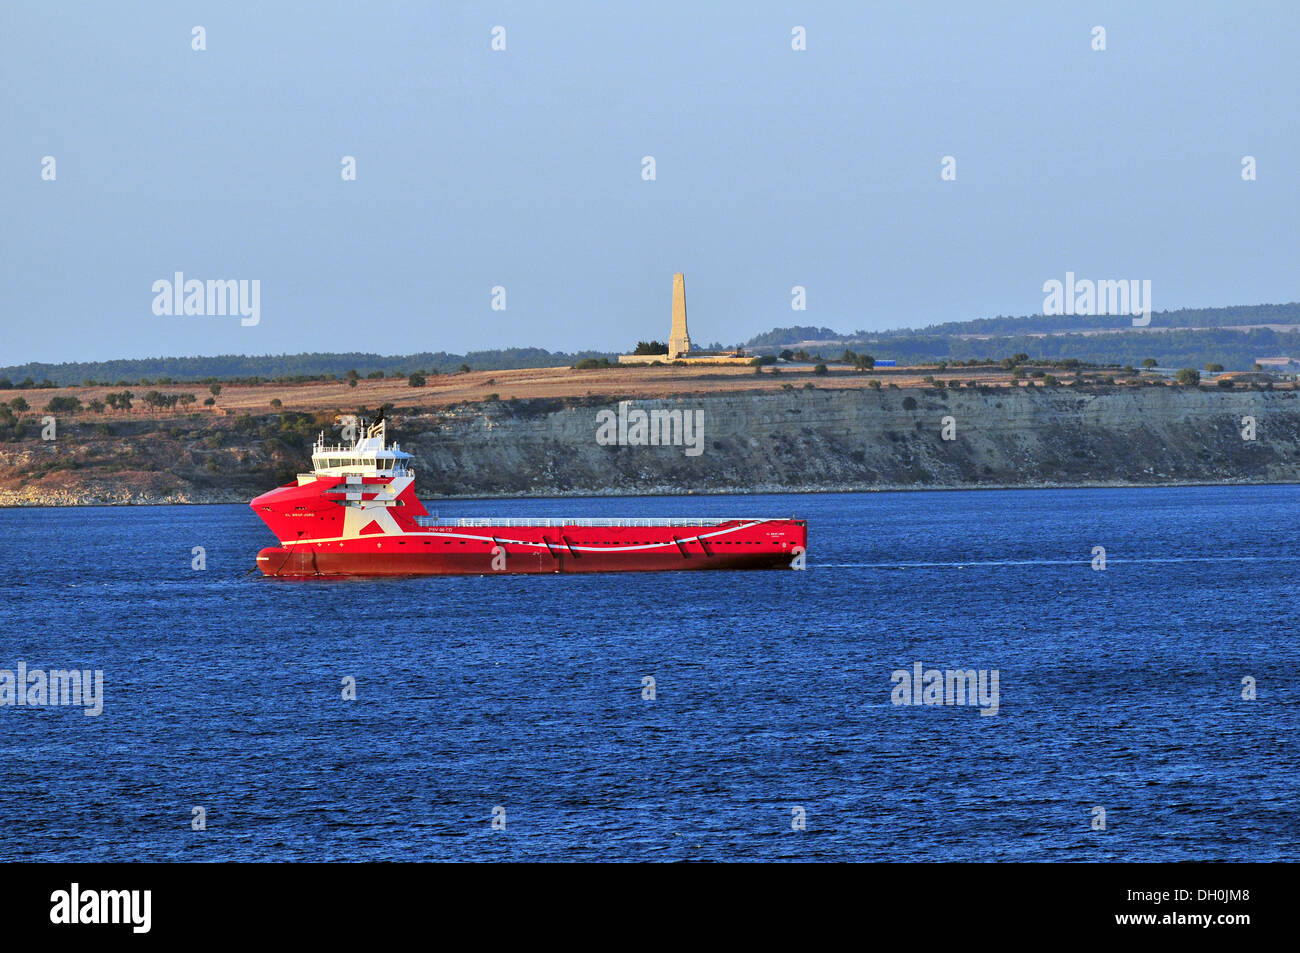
{"x": 819, "y": 369}
{"x": 416, "y": 379}
{"x": 1188, "y": 377}
{"x": 63, "y": 405}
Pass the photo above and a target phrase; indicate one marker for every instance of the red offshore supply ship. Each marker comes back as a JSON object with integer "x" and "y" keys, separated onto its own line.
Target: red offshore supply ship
{"x": 356, "y": 514}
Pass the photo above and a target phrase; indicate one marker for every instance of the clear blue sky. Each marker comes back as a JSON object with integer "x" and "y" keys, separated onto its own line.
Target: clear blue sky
{"x": 522, "y": 168}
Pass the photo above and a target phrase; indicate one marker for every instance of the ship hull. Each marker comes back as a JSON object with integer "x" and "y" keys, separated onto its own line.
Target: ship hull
{"x": 488, "y": 550}
{"x": 278, "y": 561}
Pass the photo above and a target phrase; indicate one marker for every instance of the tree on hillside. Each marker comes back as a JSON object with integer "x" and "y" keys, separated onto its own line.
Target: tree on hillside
{"x": 416, "y": 379}
{"x": 63, "y": 405}
{"x": 650, "y": 347}
{"x": 215, "y": 389}
{"x": 1150, "y": 362}
{"x": 1188, "y": 376}
{"x": 794, "y": 334}
{"x": 19, "y": 404}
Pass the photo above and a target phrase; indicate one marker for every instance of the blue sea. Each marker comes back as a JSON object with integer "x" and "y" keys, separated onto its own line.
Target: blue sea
{"x": 508, "y": 718}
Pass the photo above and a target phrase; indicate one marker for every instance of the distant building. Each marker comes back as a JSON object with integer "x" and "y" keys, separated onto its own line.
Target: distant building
{"x": 1281, "y": 365}
{"x": 679, "y": 339}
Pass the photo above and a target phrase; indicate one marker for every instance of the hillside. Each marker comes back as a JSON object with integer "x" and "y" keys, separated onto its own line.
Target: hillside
{"x": 760, "y": 433}
{"x": 1234, "y": 337}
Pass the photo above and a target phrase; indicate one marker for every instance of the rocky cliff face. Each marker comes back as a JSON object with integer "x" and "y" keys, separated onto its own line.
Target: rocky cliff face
{"x": 850, "y": 440}
{"x": 796, "y": 440}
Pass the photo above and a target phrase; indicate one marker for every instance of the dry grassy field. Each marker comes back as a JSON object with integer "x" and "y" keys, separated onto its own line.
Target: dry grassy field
{"x": 550, "y": 382}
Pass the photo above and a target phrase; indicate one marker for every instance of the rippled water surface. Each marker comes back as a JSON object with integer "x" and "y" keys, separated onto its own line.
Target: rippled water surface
{"x": 1120, "y": 689}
